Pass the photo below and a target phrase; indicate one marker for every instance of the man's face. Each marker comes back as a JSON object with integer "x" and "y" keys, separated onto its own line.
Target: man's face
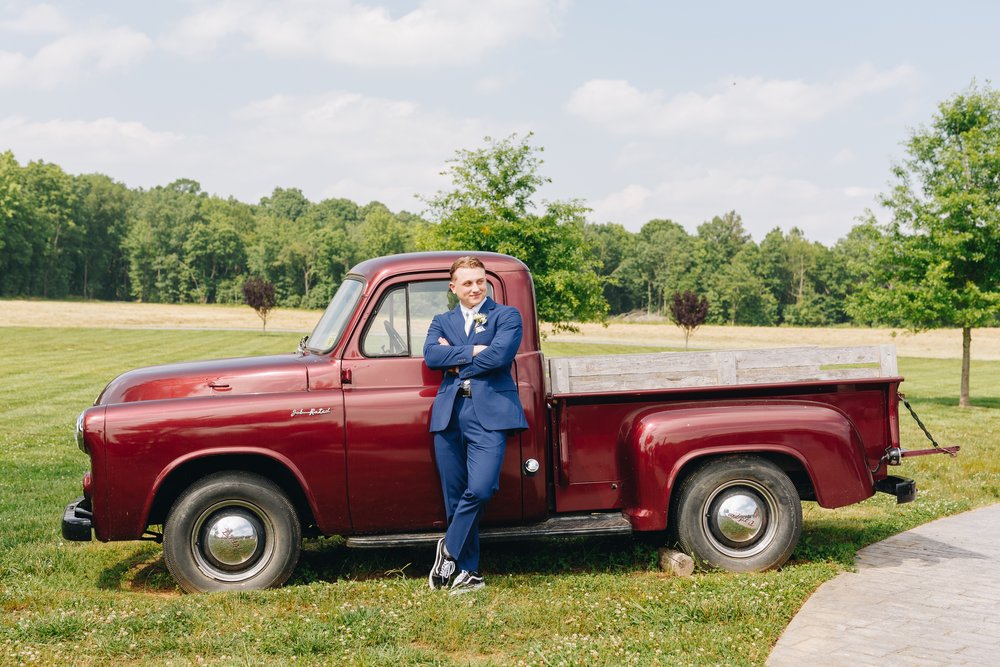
{"x": 469, "y": 285}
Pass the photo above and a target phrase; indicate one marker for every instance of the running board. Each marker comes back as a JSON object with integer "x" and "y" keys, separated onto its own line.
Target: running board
{"x": 606, "y": 523}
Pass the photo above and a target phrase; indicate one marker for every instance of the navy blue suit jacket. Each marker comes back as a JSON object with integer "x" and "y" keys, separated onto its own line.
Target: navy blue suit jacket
{"x": 494, "y": 392}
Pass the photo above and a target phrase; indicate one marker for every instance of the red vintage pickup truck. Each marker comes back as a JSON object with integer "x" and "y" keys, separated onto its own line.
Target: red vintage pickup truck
{"x": 231, "y": 462}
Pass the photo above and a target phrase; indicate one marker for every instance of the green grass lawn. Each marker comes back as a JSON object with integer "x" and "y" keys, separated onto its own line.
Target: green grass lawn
{"x": 585, "y": 601}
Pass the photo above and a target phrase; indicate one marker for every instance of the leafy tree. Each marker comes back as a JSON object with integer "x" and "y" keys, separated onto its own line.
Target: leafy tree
{"x": 213, "y": 251}
{"x": 614, "y": 246}
{"x": 491, "y": 207}
{"x": 52, "y": 205}
{"x": 259, "y": 295}
{"x": 937, "y": 263}
{"x": 739, "y": 296}
{"x": 661, "y": 263}
{"x": 774, "y": 268}
{"x": 100, "y": 266}
{"x": 15, "y": 228}
{"x": 287, "y": 203}
{"x": 382, "y": 233}
{"x": 159, "y": 222}
{"x": 717, "y": 243}
{"x": 688, "y": 311}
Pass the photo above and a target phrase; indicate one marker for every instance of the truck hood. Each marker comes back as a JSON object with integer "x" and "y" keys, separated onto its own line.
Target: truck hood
{"x": 219, "y": 377}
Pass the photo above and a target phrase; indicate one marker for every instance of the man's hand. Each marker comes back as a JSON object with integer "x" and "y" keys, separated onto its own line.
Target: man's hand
{"x": 476, "y": 349}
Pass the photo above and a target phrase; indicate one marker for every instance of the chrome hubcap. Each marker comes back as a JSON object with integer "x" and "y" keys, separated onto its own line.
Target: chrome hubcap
{"x": 230, "y": 541}
{"x": 739, "y": 518}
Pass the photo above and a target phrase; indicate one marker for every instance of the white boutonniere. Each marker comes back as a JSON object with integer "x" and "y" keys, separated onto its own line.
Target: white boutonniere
{"x": 480, "y": 320}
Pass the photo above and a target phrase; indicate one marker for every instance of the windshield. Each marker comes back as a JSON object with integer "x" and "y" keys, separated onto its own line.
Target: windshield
{"x": 331, "y": 326}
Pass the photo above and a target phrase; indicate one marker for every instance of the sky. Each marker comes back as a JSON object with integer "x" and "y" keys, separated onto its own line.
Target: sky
{"x": 789, "y": 113}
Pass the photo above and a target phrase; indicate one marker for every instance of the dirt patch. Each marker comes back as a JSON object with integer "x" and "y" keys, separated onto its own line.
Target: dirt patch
{"x": 126, "y": 315}
{"x": 939, "y": 343}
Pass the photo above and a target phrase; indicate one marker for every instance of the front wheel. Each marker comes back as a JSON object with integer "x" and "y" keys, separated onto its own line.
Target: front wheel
{"x": 739, "y": 513}
{"x": 231, "y": 531}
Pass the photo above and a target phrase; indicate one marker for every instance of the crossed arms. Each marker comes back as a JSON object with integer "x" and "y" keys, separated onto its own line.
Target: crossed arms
{"x": 475, "y": 360}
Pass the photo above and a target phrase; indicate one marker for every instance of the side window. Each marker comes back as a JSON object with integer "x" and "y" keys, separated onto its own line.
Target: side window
{"x": 427, "y": 299}
{"x": 399, "y": 326}
{"x": 387, "y": 333}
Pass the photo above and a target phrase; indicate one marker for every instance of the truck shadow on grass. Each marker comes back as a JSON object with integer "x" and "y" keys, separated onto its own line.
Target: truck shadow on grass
{"x": 141, "y": 573}
{"x": 329, "y": 560}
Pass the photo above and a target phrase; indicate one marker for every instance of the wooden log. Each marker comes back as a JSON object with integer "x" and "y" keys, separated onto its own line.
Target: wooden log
{"x": 676, "y": 563}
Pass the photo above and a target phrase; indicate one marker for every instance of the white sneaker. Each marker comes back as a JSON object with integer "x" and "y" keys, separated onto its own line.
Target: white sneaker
{"x": 466, "y": 582}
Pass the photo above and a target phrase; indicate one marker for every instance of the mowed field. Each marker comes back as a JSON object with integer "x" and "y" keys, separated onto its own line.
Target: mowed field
{"x": 557, "y": 602}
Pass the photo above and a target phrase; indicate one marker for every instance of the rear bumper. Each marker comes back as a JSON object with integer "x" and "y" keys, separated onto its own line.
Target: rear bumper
{"x": 904, "y": 489}
{"x": 77, "y": 522}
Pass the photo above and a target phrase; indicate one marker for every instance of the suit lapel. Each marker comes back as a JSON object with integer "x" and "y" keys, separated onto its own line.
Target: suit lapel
{"x": 456, "y": 321}
{"x": 457, "y": 324}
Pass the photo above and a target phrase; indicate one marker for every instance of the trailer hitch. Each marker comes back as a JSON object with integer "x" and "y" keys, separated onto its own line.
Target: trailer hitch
{"x": 894, "y": 455}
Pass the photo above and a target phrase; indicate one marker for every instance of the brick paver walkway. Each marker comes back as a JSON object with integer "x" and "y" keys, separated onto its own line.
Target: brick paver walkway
{"x": 929, "y": 596}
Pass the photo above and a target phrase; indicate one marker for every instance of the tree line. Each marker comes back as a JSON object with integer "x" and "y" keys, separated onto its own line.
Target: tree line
{"x": 88, "y": 236}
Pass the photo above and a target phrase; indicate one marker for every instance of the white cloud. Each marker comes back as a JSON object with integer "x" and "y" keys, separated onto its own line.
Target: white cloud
{"x": 436, "y": 32}
{"x": 344, "y": 144}
{"x": 339, "y": 144}
{"x": 103, "y": 139}
{"x": 626, "y": 204}
{"x": 739, "y": 110}
{"x": 36, "y": 20}
{"x": 73, "y": 56}
{"x": 128, "y": 151}
{"x": 491, "y": 85}
{"x": 843, "y": 156}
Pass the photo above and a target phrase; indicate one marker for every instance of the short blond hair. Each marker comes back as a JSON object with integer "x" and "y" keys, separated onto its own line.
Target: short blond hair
{"x": 467, "y": 262}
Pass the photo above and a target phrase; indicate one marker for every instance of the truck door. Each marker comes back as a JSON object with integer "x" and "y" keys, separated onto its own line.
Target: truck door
{"x": 392, "y": 480}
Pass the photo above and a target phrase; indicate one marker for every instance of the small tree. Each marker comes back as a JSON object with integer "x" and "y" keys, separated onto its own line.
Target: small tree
{"x": 492, "y": 207}
{"x": 258, "y": 293}
{"x": 937, "y": 263}
{"x": 688, "y": 311}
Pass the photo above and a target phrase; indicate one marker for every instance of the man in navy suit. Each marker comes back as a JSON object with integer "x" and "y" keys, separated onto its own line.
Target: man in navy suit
{"x": 476, "y": 405}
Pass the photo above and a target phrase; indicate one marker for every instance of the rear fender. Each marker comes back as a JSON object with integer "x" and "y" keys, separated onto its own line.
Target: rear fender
{"x": 662, "y": 443}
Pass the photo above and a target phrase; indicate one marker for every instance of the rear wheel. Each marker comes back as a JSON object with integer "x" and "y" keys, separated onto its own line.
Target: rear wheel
{"x": 739, "y": 513}
{"x": 231, "y": 531}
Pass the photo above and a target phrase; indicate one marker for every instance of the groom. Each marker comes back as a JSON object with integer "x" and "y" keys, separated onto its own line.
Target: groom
{"x": 476, "y": 405}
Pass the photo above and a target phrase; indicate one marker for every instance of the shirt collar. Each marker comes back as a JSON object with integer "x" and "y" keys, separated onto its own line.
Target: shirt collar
{"x": 466, "y": 311}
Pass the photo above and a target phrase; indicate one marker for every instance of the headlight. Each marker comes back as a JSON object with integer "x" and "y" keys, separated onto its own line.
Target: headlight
{"x": 80, "y": 442}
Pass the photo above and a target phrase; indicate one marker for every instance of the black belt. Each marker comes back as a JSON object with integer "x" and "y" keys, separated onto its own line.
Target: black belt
{"x": 464, "y": 390}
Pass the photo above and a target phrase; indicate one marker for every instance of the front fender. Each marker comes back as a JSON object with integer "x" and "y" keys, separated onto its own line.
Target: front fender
{"x": 218, "y": 458}
{"x": 661, "y": 442}
{"x": 303, "y": 432}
